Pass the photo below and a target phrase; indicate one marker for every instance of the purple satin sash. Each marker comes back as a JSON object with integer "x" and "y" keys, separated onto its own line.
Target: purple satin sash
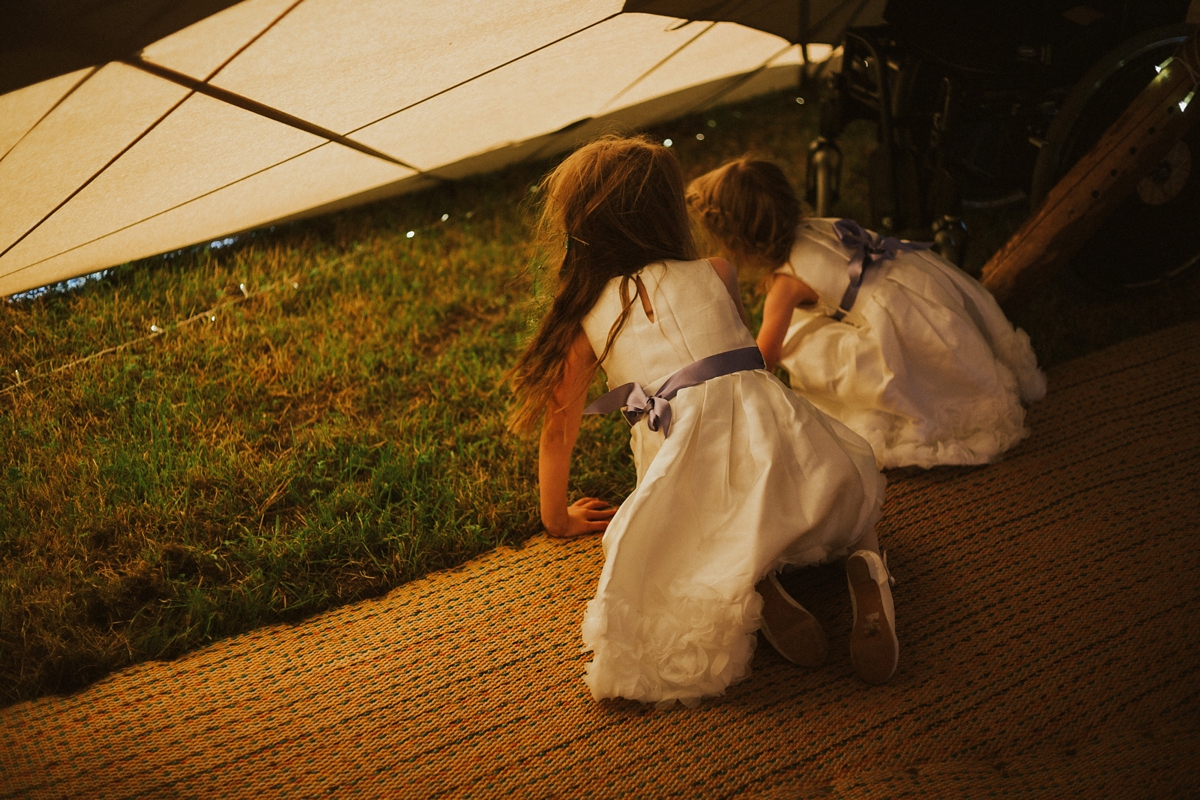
{"x": 869, "y": 250}
{"x": 633, "y": 403}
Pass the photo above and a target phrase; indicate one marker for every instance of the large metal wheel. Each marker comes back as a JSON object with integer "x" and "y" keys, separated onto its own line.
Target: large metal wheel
{"x": 1154, "y": 235}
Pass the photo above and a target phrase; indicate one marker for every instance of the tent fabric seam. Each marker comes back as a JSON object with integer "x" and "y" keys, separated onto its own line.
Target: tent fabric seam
{"x": 192, "y": 83}
{"x": 136, "y": 139}
{"x": 91, "y": 71}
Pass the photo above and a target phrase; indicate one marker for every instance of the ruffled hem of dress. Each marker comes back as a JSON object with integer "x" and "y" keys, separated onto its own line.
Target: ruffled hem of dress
{"x": 975, "y": 435}
{"x": 689, "y": 648}
{"x": 1016, "y": 352}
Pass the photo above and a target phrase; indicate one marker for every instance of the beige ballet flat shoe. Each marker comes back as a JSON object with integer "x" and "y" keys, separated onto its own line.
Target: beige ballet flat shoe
{"x": 874, "y": 649}
{"x": 789, "y": 627}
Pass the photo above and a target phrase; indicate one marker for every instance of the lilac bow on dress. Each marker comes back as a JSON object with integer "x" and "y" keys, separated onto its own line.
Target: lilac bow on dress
{"x": 633, "y": 402}
{"x": 869, "y": 249}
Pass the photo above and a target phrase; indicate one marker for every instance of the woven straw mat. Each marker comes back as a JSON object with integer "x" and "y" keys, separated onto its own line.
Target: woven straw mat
{"x": 1047, "y": 611}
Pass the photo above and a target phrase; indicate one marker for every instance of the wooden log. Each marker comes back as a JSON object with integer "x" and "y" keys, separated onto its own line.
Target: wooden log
{"x": 1080, "y": 202}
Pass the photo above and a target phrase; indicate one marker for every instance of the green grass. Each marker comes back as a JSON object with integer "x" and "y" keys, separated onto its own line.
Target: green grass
{"x": 332, "y": 431}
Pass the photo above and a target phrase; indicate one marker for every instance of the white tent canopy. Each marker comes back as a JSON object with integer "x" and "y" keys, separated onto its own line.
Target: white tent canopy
{"x": 272, "y": 109}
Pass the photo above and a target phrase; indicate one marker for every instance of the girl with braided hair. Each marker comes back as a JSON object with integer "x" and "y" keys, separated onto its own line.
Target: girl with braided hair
{"x": 895, "y": 342}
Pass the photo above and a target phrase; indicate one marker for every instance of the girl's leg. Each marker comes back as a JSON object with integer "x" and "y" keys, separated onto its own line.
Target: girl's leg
{"x": 874, "y": 648}
{"x": 869, "y": 541}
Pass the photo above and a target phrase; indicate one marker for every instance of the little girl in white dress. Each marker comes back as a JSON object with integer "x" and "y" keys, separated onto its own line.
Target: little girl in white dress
{"x": 736, "y": 475}
{"x": 900, "y": 345}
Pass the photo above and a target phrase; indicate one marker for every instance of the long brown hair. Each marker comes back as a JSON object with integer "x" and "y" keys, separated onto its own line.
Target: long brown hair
{"x": 615, "y": 204}
{"x": 750, "y": 207}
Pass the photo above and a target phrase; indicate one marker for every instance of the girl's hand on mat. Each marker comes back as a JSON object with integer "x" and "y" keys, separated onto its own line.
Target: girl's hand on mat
{"x": 586, "y": 515}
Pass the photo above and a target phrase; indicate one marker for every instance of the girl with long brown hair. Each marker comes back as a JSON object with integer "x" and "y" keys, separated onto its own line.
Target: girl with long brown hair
{"x": 736, "y": 476}
{"x": 904, "y": 348}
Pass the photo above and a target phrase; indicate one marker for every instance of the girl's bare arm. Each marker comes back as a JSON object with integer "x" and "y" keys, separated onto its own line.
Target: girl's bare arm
{"x": 560, "y": 428}
{"x": 784, "y": 295}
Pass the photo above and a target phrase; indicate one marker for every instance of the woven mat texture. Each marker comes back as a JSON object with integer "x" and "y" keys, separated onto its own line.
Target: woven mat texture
{"x": 1048, "y": 612}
